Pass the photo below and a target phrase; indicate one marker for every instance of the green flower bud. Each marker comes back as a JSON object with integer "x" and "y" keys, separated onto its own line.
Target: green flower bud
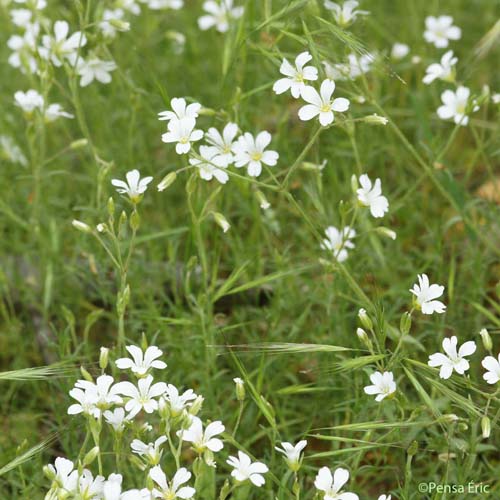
{"x": 104, "y": 358}
{"x": 91, "y": 456}
{"x": 81, "y": 226}
{"x": 167, "y": 181}
{"x": 135, "y": 221}
{"x": 240, "y": 389}
{"x": 86, "y": 375}
{"x": 486, "y": 427}
{"x": 412, "y": 449}
{"x": 364, "y": 319}
{"x": 405, "y": 323}
{"x": 485, "y": 336}
{"x": 375, "y": 119}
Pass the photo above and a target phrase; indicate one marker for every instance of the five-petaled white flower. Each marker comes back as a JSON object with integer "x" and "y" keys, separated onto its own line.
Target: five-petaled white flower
{"x": 339, "y": 241}
{"x": 112, "y": 490}
{"x": 244, "y": 469}
{"x": 203, "y": 440}
{"x": 134, "y": 187}
{"x": 223, "y": 143}
{"x": 443, "y": 70}
{"x": 183, "y": 133}
{"x": 89, "y": 487}
{"x": 180, "y": 109}
{"x": 295, "y": 76}
{"x": 151, "y": 451}
{"x": 292, "y": 453}
{"x": 453, "y": 360}
{"x": 65, "y": 475}
{"x": 28, "y": 101}
{"x": 383, "y": 385}
{"x": 173, "y": 489}
{"x": 211, "y": 165}
{"x": 103, "y": 391}
{"x": 251, "y": 152}
{"x": 55, "y": 111}
{"x": 492, "y": 376}
{"x": 456, "y": 105}
{"x": 116, "y": 419}
{"x": 60, "y": 47}
{"x": 426, "y": 294}
{"x": 219, "y": 14}
{"x": 370, "y": 195}
{"x": 439, "y": 30}
{"x": 95, "y": 69}
{"x": 345, "y": 14}
{"x": 178, "y": 402}
{"x": 331, "y": 485}
{"x": 141, "y": 396}
{"x": 321, "y": 103}
{"x": 141, "y": 362}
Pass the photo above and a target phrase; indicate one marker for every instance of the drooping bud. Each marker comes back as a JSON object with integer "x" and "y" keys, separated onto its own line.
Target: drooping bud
{"x": 167, "y": 181}
{"x": 221, "y": 221}
{"x": 385, "y": 231}
{"x": 81, "y": 226}
{"x": 375, "y": 119}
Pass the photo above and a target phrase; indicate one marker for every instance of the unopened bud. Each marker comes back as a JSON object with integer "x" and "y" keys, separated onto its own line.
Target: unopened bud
{"x": 102, "y": 227}
{"x": 364, "y": 319}
{"x": 385, "y": 231}
{"x": 264, "y": 204}
{"x": 449, "y": 418}
{"x": 111, "y": 207}
{"x": 85, "y": 374}
{"x": 81, "y": 226}
{"x": 221, "y": 221}
{"x": 412, "y": 449}
{"x": 375, "y": 119}
{"x": 486, "y": 427}
{"x": 485, "y": 336}
{"x": 354, "y": 183}
{"x": 240, "y": 389}
{"x": 104, "y": 358}
{"x": 405, "y": 323}
{"x": 119, "y": 24}
{"x": 49, "y": 472}
{"x": 196, "y": 406}
{"x": 167, "y": 181}
{"x": 135, "y": 221}
{"x": 91, "y": 456}
{"x": 79, "y": 143}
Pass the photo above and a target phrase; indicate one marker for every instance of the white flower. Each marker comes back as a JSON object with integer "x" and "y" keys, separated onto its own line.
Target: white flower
{"x": 178, "y": 402}
{"x": 443, "y": 70}
{"x": 134, "y": 188}
{"x": 321, "y": 104}
{"x": 130, "y": 5}
{"x": 116, "y": 419}
{"x": 383, "y": 385}
{"x": 219, "y": 14}
{"x": 141, "y": 363}
{"x": 21, "y": 17}
{"x": 183, "y": 133}
{"x": 331, "y": 485}
{"x": 89, "y": 487}
{"x": 439, "y": 30}
{"x": 371, "y": 196}
{"x": 426, "y": 294}
{"x": 492, "y": 376}
{"x": 292, "y": 453}
{"x": 65, "y": 475}
{"x": 60, "y": 47}
{"x": 103, "y": 391}
{"x": 384, "y": 497}
{"x": 24, "y": 49}
{"x": 95, "y": 69}
{"x": 338, "y": 241}
{"x": 456, "y": 105}
{"x": 355, "y": 67}
{"x": 345, "y": 14}
{"x": 251, "y": 152}
{"x": 165, "y": 4}
{"x": 453, "y": 360}
{"x": 10, "y": 151}
{"x": 203, "y": 440}
{"x": 244, "y": 469}
{"x": 34, "y": 4}
{"x": 173, "y": 489}
{"x": 112, "y": 490}
{"x": 86, "y": 403}
{"x": 399, "y": 51}
{"x": 295, "y": 76}
{"x": 142, "y": 396}
{"x": 112, "y": 22}
{"x": 208, "y": 168}
{"x": 55, "y": 111}
{"x": 151, "y": 452}
{"x": 180, "y": 109}
{"x": 28, "y": 101}
{"x": 223, "y": 143}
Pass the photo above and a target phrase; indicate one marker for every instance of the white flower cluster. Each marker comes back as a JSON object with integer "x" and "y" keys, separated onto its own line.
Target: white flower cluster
{"x": 118, "y": 405}
{"x": 222, "y": 149}
{"x": 32, "y": 101}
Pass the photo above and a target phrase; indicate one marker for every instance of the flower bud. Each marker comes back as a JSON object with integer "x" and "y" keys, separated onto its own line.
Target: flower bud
{"x": 375, "y": 119}
{"x": 412, "y": 449}
{"x": 385, "y": 231}
{"x": 104, "y": 358}
{"x": 91, "y": 456}
{"x": 486, "y": 427}
{"x": 79, "y": 143}
{"x": 102, "y": 227}
{"x": 240, "y": 389}
{"x": 167, "y": 181}
{"x": 405, "y": 323}
{"x": 354, "y": 183}
{"x": 85, "y": 374}
{"x": 119, "y": 24}
{"x": 485, "y": 336}
{"x": 49, "y": 473}
{"x": 221, "y": 221}
{"x": 264, "y": 204}
{"x": 135, "y": 221}
{"x": 449, "y": 418}
{"x": 196, "y": 406}
{"x": 81, "y": 226}
{"x": 364, "y": 319}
